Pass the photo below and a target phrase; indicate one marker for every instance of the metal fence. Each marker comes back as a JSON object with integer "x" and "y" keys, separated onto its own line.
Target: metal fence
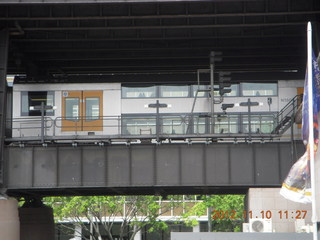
{"x": 146, "y": 126}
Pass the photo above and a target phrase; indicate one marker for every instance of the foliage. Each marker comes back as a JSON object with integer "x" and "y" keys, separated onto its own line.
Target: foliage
{"x": 227, "y": 211}
{"x": 134, "y": 212}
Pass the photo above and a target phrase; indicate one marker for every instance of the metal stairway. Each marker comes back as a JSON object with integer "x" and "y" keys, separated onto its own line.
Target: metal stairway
{"x": 285, "y": 118}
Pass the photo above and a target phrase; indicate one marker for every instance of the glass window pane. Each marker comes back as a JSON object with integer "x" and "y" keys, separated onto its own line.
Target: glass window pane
{"x": 259, "y": 89}
{"x": 138, "y": 92}
{"x": 226, "y": 124}
{"x": 24, "y": 104}
{"x": 72, "y": 109}
{"x": 174, "y": 91}
{"x": 173, "y": 125}
{"x": 216, "y": 92}
{"x": 138, "y": 126}
{"x": 50, "y": 102}
{"x": 259, "y": 124}
{"x": 92, "y": 108}
{"x": 195, "y": 88}
{"x": 234, "y": 91}
{"x": 34, "y": 99}
{"x": 199, "y": 124}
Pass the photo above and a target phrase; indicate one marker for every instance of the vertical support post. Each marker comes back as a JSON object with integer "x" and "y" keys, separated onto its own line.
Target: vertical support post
{"x": 249, "y": 118}
{"x": 158, "y": 122}
{"x": 294, "y": 106}
{"x": 4, "y": 45}
{"x": 209, "y": 219}
{"x": 212, "y": 54}
{"x": 157, "y": 105}
{"x": 42, "y": 122}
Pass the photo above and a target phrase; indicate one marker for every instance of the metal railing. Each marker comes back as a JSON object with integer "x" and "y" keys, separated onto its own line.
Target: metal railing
{"x": 285, "y": 117}
{"x": 144, "y": 127}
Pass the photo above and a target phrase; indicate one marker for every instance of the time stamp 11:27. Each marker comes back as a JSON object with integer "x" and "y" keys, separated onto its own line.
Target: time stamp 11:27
{"x": 298, "y": 214}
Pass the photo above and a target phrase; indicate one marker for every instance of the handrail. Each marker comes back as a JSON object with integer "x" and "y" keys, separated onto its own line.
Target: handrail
{"x": 182, "y": 126}
{"x": 286, "y": 115}
{"x": 290, "y": 104}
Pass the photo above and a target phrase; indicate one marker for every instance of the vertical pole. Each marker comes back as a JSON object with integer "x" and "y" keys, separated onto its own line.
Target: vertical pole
{"x": 209, "y": 219}
{"x": 291, "y": 129}
{"x": 249, "y": 118}
{"x": 4, "y": 45}
{"x": 42, "y": 122}
{"x": 157, "y": 122}
{"x": 212, "y": 89}
{"x": 311, "y": 136}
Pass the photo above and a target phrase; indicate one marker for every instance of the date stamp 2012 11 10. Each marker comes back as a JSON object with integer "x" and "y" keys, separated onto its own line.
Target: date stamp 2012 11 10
{"x": 265, "y": 214}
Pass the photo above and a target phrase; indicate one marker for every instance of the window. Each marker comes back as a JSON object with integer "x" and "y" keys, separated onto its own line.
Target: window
{"x": 139, "y": 92}
{"x": 174, "y": 91}
{"x": 138, "y": 125}
{"x": 234, "y": 91}
{"x": 173, "y": 125}
{"x": 92, "y": 108}
{"x": 259, "y": 89}
{"x": 33, "y": 99}
{"x": 226, "y": 124}
{"x": 259, "y": 124}
{"x": 200, "y": 124}
{"x": 72, "y": 108}
{"x": 200, "y": 93}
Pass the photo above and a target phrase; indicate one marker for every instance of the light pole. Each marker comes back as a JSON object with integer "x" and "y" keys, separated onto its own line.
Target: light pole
{"x": 157, "y": 105}
{"x": 42, "y": 108}
{"x": 249, "y": 104}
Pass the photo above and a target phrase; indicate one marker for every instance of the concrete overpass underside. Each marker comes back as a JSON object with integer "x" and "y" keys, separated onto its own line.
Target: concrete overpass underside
{"x": 147, "y": 169}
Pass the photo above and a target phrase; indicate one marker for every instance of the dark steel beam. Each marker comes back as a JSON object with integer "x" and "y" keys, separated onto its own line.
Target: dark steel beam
{"x": 65, "y": 38}
{"x": 182, "y": 26}
{"x": 4, "y": 46}
{"x": 164, "y": 77}
{"x": 147, "y": 169}
{"x": 156, "y": 16}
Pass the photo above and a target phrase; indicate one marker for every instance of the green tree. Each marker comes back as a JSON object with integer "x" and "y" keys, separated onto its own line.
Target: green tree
{"x": 227, "y": 212}
{"x": 101, "y": 212}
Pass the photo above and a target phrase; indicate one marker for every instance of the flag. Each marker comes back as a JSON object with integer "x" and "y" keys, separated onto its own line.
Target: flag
{"x": 316, "y": 103}
{"x": 297, "y": 185}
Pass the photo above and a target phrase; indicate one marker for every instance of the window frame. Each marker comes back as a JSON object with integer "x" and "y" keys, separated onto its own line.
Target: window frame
{"x": 187, "y": 86}
{"x": 156, "y": 92}
{"x": 241, "y": 89}
{"x": 23, "y": 113}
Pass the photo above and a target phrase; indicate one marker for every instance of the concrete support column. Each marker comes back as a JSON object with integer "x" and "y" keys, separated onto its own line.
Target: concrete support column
{"x": 36, "y": 223}
{"x": 9, "y": 219}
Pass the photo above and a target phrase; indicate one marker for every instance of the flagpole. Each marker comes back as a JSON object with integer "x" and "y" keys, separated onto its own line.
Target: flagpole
{"x": 311, "y": 132}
